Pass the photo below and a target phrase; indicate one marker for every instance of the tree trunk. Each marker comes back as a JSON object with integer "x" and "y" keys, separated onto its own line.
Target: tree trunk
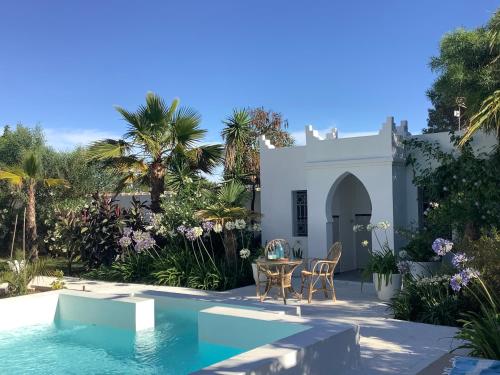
{"x": 230, "y": 244}
{"x": 157, "y": 180}
{"x": 31, "y": 221}
{"x": 252, "y": 205}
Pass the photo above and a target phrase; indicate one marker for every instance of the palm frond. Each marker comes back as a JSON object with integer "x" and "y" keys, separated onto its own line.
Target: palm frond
{"x": 186, "y": 131}
{"x": 108, "y": 148}
{"x": 32, "y": 164}
{"x": 13, "y": 176}
{"x": 50, "y": 182}
{"x": 205, "y": 158}
{"x": 487, "y": 118}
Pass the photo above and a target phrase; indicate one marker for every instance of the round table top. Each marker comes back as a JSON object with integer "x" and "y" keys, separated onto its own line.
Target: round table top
{"x": 279, "y": 262}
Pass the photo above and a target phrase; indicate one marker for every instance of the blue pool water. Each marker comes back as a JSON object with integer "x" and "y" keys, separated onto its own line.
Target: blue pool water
{"x": 66, "y": 347}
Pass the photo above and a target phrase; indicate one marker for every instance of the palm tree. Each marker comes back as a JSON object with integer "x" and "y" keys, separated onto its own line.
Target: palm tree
{"x": 158, "y": 140}
{"x": 488, "y": 118}
{"x": 229, "y": 206}
{"x": 237, "y": 136}
{"x": 29, "y": 175}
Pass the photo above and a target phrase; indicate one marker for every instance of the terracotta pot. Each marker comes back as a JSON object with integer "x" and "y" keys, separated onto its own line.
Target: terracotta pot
{"x": 386, "y": 292}
{"x": 423, "y": 269}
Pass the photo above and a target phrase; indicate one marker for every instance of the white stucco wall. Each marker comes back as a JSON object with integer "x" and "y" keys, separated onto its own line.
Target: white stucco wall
{"x": 278, "y": 179}
{"x": 378, "y": 161}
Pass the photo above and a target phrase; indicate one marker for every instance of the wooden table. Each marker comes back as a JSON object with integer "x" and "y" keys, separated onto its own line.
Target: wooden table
{"x": 279, "y": 273}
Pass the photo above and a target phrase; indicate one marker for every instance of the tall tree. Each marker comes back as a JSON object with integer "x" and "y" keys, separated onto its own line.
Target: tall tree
{"x": 468, "y": 72}
{"x": 159, "y": 138}
{"x": 28, "y": 176}
{"x": 488, "y": 116}
{"x": 241, "y": 136}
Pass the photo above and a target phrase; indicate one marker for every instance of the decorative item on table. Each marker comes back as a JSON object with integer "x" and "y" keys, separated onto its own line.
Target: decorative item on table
{"x": 272, "y": 254}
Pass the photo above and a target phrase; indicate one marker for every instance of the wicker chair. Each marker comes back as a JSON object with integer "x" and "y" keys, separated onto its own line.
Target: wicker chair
{"x": 273, "y": 276}
{"x": 322, "y": 269}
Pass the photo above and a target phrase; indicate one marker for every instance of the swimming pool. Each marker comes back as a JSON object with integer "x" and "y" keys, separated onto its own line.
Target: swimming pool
{"x": 173, "y": 346}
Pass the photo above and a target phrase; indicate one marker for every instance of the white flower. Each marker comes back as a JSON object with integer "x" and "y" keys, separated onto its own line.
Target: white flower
{"x": 434, "y": 204}
{"x": 364, "y": 243}
{"x": 244, "y": 253}
{"x": 16, "y": 266}
{"x": 240, "y": 224}
{"x": 403, "y": 254}
{"x": 256, "y": 227}
{"x": 384, "y": 225}
{"x": 229, "y": 225}
{"x": 217, "y": 228}
{"x": 357, "y": 228}
{"x": 197, "y": 231}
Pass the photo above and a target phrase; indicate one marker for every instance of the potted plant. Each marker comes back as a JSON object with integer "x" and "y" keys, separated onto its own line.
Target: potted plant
{"x": 422, "y": 260}
{"x": 254, "y": 256}
{"x": 297, "y": 253}
{"x": 382, "y": 267}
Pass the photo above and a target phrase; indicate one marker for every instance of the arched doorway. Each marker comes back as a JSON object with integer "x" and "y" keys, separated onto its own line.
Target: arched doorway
{"x": 348, "y": 204}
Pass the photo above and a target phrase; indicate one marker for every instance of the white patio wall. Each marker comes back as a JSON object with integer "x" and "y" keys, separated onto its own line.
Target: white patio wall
{"x": 377, "y": 161}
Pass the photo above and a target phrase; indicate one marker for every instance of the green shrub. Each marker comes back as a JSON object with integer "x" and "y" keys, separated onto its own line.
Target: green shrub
{"x": 430, "y": 300}
{"x": 485, "y": 257}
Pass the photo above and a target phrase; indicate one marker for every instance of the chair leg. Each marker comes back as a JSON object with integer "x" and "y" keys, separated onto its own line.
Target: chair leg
{"x": 283, "y": 293}
{"x": 334, "y": 297}
{"x": 323, "y": 284}
{"x": 309, "y": 299}
{"x": 303, "y": 280}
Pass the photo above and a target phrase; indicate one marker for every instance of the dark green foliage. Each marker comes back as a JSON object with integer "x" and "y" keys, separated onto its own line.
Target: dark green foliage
{"x": 465, "y": 186}
{"x": 468, "y": 67}
{"x": 430, "y": 300}
{"x": 100, "y": 232}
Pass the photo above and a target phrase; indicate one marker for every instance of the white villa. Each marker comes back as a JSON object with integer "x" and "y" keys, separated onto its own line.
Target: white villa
{"x": 313, "y": 195}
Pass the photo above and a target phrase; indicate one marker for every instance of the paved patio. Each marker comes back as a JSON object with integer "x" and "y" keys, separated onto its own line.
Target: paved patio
{"x": 388, "y": 346}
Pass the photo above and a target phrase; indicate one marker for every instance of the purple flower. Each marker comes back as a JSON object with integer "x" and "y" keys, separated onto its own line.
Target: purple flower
{"x": 190, "y": 235}
{"x": 463, "y": 278}
{"x": 403, "y": 267}
{"x": 127, "y": 231}
{"x": 207, "y": 225}
{"x": 456, "y": 282}
{"x": 441, "y": 246}
{"x": 182, "y": 229}
{"x": 143, "y": 241}
{"x": 459, "y": 260}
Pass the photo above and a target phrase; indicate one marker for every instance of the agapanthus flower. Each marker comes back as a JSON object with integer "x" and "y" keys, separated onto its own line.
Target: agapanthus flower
{"x": 244, "y": 253}
{"x": 441, "y": 246}
{"x": 125, "y": 241}
{"x": 208, "y": 225}
{"x": 357, "y": 227}
{"x": 127, "y": 231}
{"x": 403, "y": 267}
{"x": 403, "y": 254}
{"x": 456, "y": 282}
{"x": 365, "y": 243}
{"x": 182, "y": 229}
{"x": 16, "y": 266}
{"x": 240, "y": 224}
{"x": 229, "y": 225}
{"x": 459, "y": 260}
{"x": 256, "y": 227}
{"x": 197, "y": 231}
{"x": 143, "y": 241}
{"x": 217, "y": 228}
{"x": 384, "y": 225}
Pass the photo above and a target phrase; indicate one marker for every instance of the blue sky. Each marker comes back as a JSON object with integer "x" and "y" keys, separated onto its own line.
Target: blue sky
{"x": 345, "y": 64}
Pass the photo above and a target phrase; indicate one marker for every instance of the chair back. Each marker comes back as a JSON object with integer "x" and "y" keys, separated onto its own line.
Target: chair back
{"x": 334, "y": 254}
{"x": 273, "y": 245}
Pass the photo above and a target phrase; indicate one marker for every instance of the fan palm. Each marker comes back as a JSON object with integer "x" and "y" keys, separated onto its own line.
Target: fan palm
{"x": 488, "y": 118}
{"x": 158, "y": 140}
{"x": 29, "y": 175}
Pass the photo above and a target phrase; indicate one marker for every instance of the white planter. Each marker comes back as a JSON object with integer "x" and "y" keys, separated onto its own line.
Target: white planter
{"x": 263, "y": 277}
{"x": 419, "y": 270}
{"x": 386, "y": 292}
